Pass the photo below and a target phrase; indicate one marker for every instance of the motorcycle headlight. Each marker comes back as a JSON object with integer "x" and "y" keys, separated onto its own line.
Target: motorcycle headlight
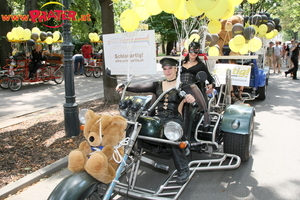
{"x": 173, "y": 131}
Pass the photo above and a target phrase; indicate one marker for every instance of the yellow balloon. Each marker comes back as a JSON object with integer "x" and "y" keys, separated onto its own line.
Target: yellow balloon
{"x": 219, "y": 11}
{"x": 214, "y": 26}
{"x": 169, "y": 6}
{"x": 194, "y": 37}
{"x": 244, "y": 49}
{"x": 232, "y": 46}
{"x": 152, "y": 7}
{"x": 49, "y": 40}
{"x": 14, "y": 36}
{"x": 14, "y": 31}
{"x": 239, "y": 41}
{"x": 129, "y": 20}
{"x": 27, "y": 34}
{"x": 252, "y": 1}
{"x": 9, "y": 36}
{"x": 236, "y": 2}
{"x": 193, "y": 9}
{"x": 56, "y": 36}
{"x": 207, "y": 5}
{"x": 36, "y": 30}
{"x": 270, "y": 35}
{"x": 141, "y": 11}
{"x": 181, "y": 13}
{"x": 262, "y": 29}
{"x": 91, "y": 36}
{"x": 186, "y": 44}
{"x": 136, "y": 2}
{"x": 275, "y": 32}
{"x": 255, "y": 44}
{"x": 213, "y": 51}
{"x": 96, "y": 38}
{"x": 230, "y": 11}
{"x": 20, "y": 32}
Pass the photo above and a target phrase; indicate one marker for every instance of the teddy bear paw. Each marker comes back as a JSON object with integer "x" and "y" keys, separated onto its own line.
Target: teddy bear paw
{"x": 76, "y": 161}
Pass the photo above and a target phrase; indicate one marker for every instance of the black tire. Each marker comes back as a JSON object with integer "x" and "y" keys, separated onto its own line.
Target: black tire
{"x": 262, "y": 93}
{"x": 59, "y": 77}
{"x": 15, "y": 83}
{"x": 4, "y": 82}
{"x": 96, "y": 191}
{"x": 97, "y": 72}
{"x": 239, "y": 144}
{"x": 88, "y": 71}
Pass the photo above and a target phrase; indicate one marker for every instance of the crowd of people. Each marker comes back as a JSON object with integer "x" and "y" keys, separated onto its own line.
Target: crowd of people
{"x": 278, "y": 55}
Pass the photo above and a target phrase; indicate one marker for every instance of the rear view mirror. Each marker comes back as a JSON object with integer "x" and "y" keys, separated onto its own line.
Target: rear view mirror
{"x": 201, "y": 77}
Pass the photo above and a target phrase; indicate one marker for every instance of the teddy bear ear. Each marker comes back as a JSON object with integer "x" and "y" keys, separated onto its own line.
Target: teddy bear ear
{"x": 120, "y": 121}
{"x": 89, "y": 115}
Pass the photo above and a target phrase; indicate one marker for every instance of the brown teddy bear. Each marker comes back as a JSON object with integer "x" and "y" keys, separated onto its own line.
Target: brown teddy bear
{"x": 97, "y": 154}
{"x": 225, "y": 34}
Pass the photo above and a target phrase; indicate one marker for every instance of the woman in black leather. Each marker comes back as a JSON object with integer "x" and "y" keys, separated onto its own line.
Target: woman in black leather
{"x": 191, "y": 65}
{"x": 169, "y": 108}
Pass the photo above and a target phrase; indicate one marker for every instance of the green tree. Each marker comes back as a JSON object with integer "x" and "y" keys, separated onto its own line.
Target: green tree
{"x": 108, "y": 27}
{"x": 288, "y": 12}
{"x": 163, "y": 25}
{"x": 6, "y": 26}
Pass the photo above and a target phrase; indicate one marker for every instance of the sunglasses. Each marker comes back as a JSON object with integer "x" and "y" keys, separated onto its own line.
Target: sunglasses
{"x": 194, "y": 51}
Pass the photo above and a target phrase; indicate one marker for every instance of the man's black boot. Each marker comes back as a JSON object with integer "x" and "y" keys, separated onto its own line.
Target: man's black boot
{"x": 183, "y": 176}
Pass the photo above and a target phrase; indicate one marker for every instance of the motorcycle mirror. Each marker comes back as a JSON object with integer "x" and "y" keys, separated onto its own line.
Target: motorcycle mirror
{"x": 81, "y": 116}
{"x": 201, "y": 77}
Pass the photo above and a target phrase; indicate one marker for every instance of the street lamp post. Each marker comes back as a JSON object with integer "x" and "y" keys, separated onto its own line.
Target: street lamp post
{"x": 70, "y": 106}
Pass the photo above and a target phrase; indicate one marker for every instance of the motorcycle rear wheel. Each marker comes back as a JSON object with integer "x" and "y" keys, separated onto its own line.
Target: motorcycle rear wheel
{"x": 239, "y": 144}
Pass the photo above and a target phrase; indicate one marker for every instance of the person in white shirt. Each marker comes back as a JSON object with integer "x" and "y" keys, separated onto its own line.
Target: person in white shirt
{"x": 277, "y": 56}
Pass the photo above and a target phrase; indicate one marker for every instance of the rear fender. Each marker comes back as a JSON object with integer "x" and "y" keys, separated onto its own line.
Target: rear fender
{"x": 242, "y": 114}
{"x": 75, "y": 187}
{"x": 261, "y": 78}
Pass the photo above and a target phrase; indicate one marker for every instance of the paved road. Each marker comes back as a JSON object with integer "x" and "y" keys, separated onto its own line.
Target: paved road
{"x": 271, "y": 174}
{"x": 33, "y": 97}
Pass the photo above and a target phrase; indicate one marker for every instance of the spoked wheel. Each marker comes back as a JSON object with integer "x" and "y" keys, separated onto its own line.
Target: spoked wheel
{"x": 45, "y": 75}
{"x": 88, "y": 71}
{"x": 15, "y": 83}
{"x": 4, "y": 82}
{"x": 59, "y": 77}
{"x": 97, "y": 72}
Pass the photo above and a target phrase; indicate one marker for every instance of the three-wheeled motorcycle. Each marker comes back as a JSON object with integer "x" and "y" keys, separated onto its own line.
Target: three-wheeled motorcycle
{"x": 228, "y": 142}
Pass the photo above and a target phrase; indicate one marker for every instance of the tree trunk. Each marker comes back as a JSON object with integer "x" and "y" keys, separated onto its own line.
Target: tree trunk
{"x": 29, "y": 5}
{"x": 170, "y": 46}
{"x": 109, "y": 84}
{"x": 5, "y": 47}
